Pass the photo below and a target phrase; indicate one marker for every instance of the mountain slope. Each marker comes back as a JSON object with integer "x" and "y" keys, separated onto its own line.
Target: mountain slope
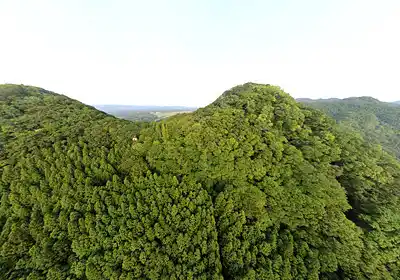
{"x": 378, "y": 122}
{"x": 72, "y": 207}
{"x": 252, "y": 186}
{"x": 33, "y": 117}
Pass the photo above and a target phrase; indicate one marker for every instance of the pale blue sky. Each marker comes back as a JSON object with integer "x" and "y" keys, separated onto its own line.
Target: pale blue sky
{"x": 182, "y": 52}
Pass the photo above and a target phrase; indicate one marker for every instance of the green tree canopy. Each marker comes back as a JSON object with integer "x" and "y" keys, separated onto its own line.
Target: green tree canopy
{"x": 378, "y": 122}
{"x": 253, "y": 186}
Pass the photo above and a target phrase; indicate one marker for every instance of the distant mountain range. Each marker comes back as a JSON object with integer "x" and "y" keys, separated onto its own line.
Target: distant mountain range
{"x": 378, "y": 122}
{"x": 304, "y": 100}
{"x": 143, "y": 113}
{"x": 335, "y": 107}
{"x": 117, "y": 108}
{"x": 308, "y": 100}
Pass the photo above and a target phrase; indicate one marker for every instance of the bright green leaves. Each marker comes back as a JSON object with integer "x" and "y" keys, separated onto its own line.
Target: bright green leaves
{"x": 250, "y": 187}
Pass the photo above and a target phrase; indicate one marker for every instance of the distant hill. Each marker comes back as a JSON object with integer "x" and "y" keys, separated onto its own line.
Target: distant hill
{"x": 378, "y": 122}
{"x": 115, "y": 108}
{"x": 143, "y": 113}
{"x": 305, "y": 100}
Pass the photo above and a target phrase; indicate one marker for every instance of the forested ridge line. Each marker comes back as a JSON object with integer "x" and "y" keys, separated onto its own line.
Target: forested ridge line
{"x": 378, "y": 122}
{"x": 253, "y": 186}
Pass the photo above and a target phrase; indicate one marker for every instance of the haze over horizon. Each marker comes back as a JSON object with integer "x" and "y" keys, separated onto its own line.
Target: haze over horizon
{"x": 185, "y": 53}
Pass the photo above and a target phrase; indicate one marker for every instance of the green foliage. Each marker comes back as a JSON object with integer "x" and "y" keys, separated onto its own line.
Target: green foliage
{"x": 252, "y": 186}
{"x": 378, "y": 122}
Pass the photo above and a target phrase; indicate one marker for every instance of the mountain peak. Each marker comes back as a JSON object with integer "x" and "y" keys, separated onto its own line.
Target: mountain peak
{"x": 362, "y": 98}
{"x": 9, "y": 90}
{"x": 251, "y": 94}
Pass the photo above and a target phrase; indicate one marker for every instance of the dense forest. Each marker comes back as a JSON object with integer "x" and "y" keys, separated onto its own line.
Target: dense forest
{"x": 378, "y": 122}
{"x": 253, "y": 186}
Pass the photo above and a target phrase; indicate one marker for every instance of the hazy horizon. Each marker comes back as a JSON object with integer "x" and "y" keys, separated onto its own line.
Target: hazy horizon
{"x": 194, "y": 107}
{"x": 97, "y": 105}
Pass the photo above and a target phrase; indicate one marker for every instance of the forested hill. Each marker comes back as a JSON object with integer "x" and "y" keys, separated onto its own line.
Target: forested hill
{"x": 378, "y": 122}
{"x": 32, "y": 118}
{"x": 253, "y": 186}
